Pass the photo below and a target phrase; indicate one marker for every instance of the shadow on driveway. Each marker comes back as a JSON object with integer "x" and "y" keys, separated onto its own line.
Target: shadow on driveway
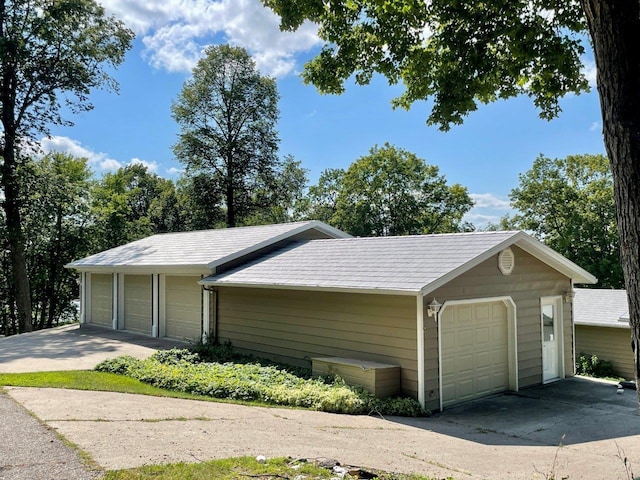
{"x": 568, "y": 412}
{"x": 74, "y": 347}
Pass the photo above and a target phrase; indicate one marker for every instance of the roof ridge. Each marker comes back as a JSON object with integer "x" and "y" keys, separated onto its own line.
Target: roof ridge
{"x": 186, "y": 232}
{"x": 423, "y": 235}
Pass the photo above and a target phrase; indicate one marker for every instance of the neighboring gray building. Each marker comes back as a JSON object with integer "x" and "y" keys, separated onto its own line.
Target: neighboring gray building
{"x": 601, "y": 318}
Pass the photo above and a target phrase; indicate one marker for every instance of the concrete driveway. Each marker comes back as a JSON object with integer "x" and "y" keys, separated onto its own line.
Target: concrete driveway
{"x": 73, "y": 347}
{"x": 514, "y": 436}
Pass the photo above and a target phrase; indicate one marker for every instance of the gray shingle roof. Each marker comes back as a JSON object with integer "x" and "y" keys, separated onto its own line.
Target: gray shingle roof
{"x": 408, "y": 264}
{"x": 196, "y": 249}
{"x": 601, "y": 308}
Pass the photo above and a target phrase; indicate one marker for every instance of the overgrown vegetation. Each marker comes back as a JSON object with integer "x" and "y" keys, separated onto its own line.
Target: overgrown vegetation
{"x": 592, "y": 366}
{"x": 242, "y": 467}
{"x": 250, "y": 379}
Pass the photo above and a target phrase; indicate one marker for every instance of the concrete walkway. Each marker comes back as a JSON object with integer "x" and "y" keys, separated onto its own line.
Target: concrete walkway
{"x": 510, "y": 436}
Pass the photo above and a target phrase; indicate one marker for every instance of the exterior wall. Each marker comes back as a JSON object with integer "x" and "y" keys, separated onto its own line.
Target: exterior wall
{"x": 530, "y": 280}
{"x": 101, "y": 299}
{"x": 183, "y": 308}
{"x": 294, "y": 326}
{"x": 137, "y": 303}
{"x": 613, "y": 344}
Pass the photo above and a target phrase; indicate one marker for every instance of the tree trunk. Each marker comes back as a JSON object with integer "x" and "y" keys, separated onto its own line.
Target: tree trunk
{"x": 231, "y": 207}
{"x": 15, "y": 236}
{"x": 11, "y": 185}
{"x": 615, "y": 30}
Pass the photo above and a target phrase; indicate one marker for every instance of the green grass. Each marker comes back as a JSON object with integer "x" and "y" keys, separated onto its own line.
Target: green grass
{"x": 234, "y": 469}
{"x": 92, "y": 380}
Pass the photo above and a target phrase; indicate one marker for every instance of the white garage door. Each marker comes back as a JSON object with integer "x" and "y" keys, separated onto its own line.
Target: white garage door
{"x": 183, "y": 297}
{"x": 137, "y": 303}
{"x": 101, "y": 301}
{"x": 475, "y": 351}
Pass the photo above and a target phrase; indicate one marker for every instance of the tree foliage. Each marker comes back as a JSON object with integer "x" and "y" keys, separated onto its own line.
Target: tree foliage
{"x": 568, "y": 203}
{"x": 57, "y": 214}
{"x": 51, "y": 53}
{"x": 227, "y": 114}
{"x": 389, "y": 192}
{"x": 133, "y": 203}
{"x": 459, "y": 53}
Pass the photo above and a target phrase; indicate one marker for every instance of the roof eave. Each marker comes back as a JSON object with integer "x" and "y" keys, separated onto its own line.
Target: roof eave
{"x": 602, "y": 324}
{"x": 315, "y": 288}
{"x": 194, "y": 269}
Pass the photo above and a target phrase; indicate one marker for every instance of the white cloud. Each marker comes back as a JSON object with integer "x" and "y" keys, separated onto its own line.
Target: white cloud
{"x": 595, "y": 126}
{"x": 590, "y": 71}
{"x": 480, "y": 221}
{"x": 151, "y": 166}
{"x": 73, "y": 147}
{"x": 175, "y": 32}
{"x": 489, "y": 200}
{"x": 175, "y": 171}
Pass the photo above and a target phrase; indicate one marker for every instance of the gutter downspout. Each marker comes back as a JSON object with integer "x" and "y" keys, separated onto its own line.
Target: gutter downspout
{"x": 420, "y": 347}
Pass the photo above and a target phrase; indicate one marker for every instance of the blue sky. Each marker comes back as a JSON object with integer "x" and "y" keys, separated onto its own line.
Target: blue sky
{"x": 486, "y": 154}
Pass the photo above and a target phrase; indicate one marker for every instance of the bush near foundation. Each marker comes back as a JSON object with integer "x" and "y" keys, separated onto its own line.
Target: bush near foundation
{"x": 592, "y": 366}
{"x": 183, "y": 371}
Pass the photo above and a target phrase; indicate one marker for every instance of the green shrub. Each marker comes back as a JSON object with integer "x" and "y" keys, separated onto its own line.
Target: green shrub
{"x": 216, "y": 352}
{"x": 176, "y": 356}
{"x": 120, "y": 365}
{"x": 180, "y": 371}
{"x": 592, "y": 366}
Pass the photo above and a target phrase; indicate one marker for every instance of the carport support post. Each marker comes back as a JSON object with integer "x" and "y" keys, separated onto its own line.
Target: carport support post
{"x": 420, "y": 346}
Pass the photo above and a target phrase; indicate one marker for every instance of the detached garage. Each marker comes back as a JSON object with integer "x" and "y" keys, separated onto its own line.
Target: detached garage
{"x": 462, "y": 315}
{"x": 443, "y": 318}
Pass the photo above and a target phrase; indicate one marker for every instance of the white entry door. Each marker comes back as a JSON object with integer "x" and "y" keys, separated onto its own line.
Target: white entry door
{"x": 551, "y": 339}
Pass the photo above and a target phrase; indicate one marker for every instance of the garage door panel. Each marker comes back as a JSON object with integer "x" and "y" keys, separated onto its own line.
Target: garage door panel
{"x": 183, "y": 307}
{"x": 475, "y": 355}
{"x": 101, "y": 299}
{"x": 137, "y": 303}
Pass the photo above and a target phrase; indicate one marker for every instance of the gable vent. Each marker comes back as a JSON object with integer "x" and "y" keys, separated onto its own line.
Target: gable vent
{"x": 506, "y": 261}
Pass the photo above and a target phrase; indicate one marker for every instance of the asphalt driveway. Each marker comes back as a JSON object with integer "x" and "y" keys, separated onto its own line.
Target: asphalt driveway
{"x": 577, "y": 427}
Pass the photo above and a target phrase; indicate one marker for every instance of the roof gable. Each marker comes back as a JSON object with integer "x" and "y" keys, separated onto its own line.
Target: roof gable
{"x": 401, "y": 265}
{"x": 202, "y": 250}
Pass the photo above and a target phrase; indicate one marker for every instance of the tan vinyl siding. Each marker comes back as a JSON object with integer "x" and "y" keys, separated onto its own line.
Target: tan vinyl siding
{"x": 530, "y": 280}
{"x": 183, "y": 308}
{"x": 102, "y": 299}
{"x": 613, "y": 344}
{"x": 137, "y": 303}
{"x": 295, "y": 326}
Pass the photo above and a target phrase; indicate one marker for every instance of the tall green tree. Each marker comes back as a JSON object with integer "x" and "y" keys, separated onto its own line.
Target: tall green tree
{"x": 390, "y": 192}
{"x": 321, "y": 201}
{"x": 227, "y": 114}
{"x": 50, "y": 51}
{"x": 133, "y": 203}
{"x": 56, "y": 213}
{"x": 461, "y": 53}
{"x": 568, "y": 204}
